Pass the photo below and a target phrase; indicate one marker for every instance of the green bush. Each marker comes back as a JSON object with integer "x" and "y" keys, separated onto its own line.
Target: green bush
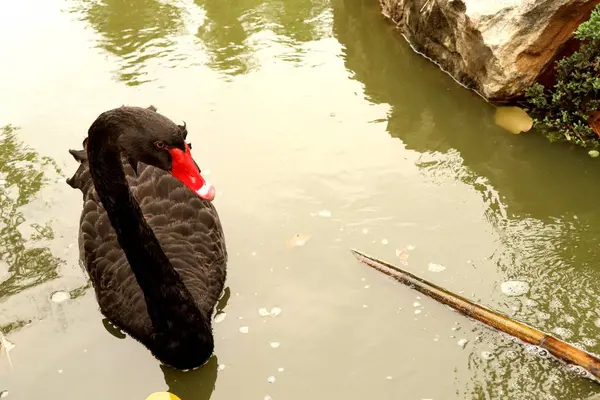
{"x": 562, "y": 111}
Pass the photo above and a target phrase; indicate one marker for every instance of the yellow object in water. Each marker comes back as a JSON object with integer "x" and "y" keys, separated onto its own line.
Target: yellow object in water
{"x": 513, "y": 119}
{"x": 162, "y": 396}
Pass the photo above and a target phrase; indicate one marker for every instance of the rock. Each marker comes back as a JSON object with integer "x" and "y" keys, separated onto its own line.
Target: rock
{"x": 497, "y": 47}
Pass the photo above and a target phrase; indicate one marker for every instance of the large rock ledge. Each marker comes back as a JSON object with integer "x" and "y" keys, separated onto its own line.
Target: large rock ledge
{"x": 497, "y": 47}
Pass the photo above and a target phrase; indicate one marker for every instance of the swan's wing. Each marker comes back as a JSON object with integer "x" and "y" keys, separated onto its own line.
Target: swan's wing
{"x": 188, "y": 230}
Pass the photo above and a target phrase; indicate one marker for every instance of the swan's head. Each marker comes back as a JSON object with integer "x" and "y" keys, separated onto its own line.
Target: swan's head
{"x": 156, "y": 140}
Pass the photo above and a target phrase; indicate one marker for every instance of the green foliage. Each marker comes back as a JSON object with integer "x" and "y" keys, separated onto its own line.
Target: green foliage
{"x": 562, "y": 112}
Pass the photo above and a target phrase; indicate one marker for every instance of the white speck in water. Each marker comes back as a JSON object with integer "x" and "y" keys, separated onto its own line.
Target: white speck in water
{"x": 263, "y": 312}
{"x": 60, "y": 371}
{"x": 324, "y": 213}
{"x": 384, "y": 241}
{"x": 436, "y": 267}
{"x": 563, "y": 332}
{"x": 271, "y": 379}
{"x": 274, "y": 345}
{"x": 410, "y": 247}
{"x": 589, "y": 342}
{"x": 267, "y": 397}
{"x": 435, "y": 339}
{"x": 462, "y": 343}
{"x": 85, "y": 350}
{"x": 514, "y": 288}
{"x": 486, "y": 355}
{"x": 221, "y": 367}
{"x": 417, "y": 311}
{"x": 416, "y": 304}
{"x": 367, "y": 286}
{"x": 244, "y": 329}
{"x": 220, "y": 317}
{"x": 365, "y": 306}
{"x": 389, "y": 378}
{"x": 365, "y": 230}
{"x": 275, "y": 311}
{"x": 363, "y": 279}
{"x": 280, "y": 369}
{"x": 60, "y": 296}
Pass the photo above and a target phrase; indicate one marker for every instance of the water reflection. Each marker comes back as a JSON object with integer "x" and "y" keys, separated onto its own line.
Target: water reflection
{"x": 231, "y": 32}
{"x": 25, "y": 260}
{"x": 135, "y": 31}
{"x": 235, "y": 30}
{"x": 193, "y": 385}
{"x": 541, "y": 202}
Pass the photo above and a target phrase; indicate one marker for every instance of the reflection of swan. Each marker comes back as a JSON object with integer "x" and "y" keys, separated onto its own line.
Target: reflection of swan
{"x": 198, "y": 384}
{"x": 151, "y": 239}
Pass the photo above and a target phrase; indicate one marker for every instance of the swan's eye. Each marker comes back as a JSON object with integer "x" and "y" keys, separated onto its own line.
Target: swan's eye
{"x": 189, "y": 145}
{"x": 159, "y": 145}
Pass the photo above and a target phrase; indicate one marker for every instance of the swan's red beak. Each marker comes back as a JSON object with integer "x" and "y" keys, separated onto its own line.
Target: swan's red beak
{"x": 185, "y": 169}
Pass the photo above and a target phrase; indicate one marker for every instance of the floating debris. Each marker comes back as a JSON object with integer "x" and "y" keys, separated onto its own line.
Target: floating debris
{"x": 280, "y": 369}
{"x": 275, "y": 311}
{"x": 60, "y": 296}
{"x": 513, "y": 119}
{"x": 271, "y": 379}
{"x": 7, "y": 347}
{"x": 436, "y": 267}
{"x": 416, "y": 304}
{"x": 263, "y": 312}
{"x": 410, "y": 247}
{"x": 367, "y": 286}
{"x": 403, "y": 256}
{"x": 253, "y": 253}
{"x": 384, "y": 241}
{"x": 298, "y": 240}
{"x": 220, "y": 317}
{"x": 514, "y": 288}
{"x": 221, "y": 367}
{"x": 365, "y": 306}
{"x": 418, "y": 311}
{"x": 60, "y": 371}
{"x": 267, "y": 397}
{"x": 365, "y": 230}
{"x": 244, "y": 329}
{"x": 274, "y": 345}
{"x": 324, "y": 213}
{"x": 593, "y": 153}
{"x": 462, "y": 343}
{"x": 389, "y": 378}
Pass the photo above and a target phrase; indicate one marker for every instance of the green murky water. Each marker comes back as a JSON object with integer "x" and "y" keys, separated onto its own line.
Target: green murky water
{"x": 314, "y": 118}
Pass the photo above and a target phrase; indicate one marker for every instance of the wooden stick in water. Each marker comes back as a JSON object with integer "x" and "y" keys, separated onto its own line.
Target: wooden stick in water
{"x": 556, "y": 347}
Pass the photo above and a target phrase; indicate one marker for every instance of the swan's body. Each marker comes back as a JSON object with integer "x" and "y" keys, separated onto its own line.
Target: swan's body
{"x": 164, "y": 302}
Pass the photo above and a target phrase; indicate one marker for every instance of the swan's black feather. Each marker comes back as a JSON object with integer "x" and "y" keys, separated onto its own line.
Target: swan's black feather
{"x": 187, "y": 228}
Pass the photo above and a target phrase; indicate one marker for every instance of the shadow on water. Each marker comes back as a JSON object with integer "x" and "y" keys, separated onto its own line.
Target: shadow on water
{"x": 541, "y": 200}
{"x": 25, "y": 260}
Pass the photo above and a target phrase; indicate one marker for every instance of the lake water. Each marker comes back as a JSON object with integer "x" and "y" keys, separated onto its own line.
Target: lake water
{"x": 318, "y": 123}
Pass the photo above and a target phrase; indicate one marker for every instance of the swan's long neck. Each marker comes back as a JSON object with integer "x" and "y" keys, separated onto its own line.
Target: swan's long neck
{"x": 170, "y": 305}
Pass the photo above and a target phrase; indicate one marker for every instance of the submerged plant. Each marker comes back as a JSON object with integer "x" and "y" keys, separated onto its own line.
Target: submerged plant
{"x": 566, "y": 110}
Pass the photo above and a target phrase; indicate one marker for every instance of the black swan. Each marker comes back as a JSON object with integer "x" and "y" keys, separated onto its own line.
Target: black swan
{"x": 150, "y": 238}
